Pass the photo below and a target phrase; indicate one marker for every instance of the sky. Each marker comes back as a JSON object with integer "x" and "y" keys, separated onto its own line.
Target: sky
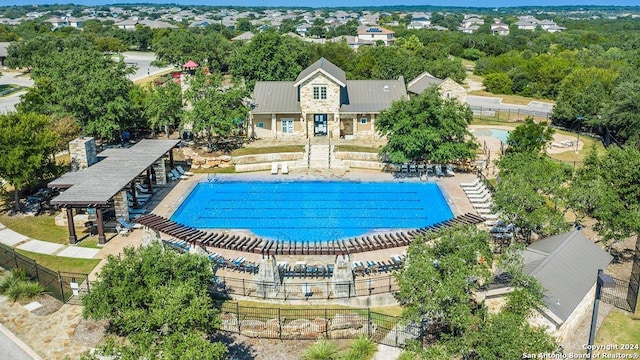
{"x": 341, "y": 3}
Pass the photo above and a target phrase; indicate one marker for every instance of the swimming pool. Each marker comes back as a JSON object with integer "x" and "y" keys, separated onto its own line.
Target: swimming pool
{"x": 499, "y": 134}
{"x": 312, "y": 210}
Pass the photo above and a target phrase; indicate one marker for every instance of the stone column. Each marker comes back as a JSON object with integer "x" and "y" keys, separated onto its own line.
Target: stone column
{"x": 343, "y": 283}
{"x": 121, "y": 205}
{"x": 274, "y": 126}
{"x": 72, "y": 228}
{"x": 83, "y": 153}
{"x": 268, "y": 278}
{"x": 149, "y": 236}
{"x": 161, "y": 172}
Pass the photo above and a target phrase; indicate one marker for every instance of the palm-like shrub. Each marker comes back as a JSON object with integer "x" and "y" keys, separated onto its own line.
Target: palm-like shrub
{"x": 322, "y": 350}
{"x": 361, "y": 349}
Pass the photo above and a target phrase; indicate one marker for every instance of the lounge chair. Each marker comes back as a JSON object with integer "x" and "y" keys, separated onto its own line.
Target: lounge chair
{"x": 404, "y": 168}
{"x": 183, "y": 172}
{"x": 472, "y": 184}
{"x": 439, "y": 172}
{"x": 412, "y": 168}
{"x": 483, "y": 199}
{"x": 285, "y": 168}
{"x": 122, "y": 231}
{"x": 138, "y": 211}
{"x": 143, "y": 190}
{"x": 177, "y": 175}
{"x": 473, "y": 188}
{"x": 476, "y": 192}
{"x": 274, "y": 168}
{"x": 128, "y": 225}
{"x": 486, "y": 205}
{"x": 449, "y": 170}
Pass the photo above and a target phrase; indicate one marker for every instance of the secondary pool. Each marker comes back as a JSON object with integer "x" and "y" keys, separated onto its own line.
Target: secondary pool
{"x": 499, "y": 134}
{"x": 312, "y": 210}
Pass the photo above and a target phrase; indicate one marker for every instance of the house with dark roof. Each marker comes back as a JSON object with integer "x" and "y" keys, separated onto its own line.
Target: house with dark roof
{"x": 566, "y": 265}
{"x": 321, "y": 102}
{"x": 448, "y": 88}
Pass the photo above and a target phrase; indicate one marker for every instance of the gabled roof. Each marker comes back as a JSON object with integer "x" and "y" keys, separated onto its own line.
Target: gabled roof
{"x": 566, "y": 265}
{"x": 372, "y": 95}
{"x": 376, "y": 30}
{"x": 190, "y": 64}
{"x": 275, "y": 97}
{"x": 327, "y": 68}
{"x": 423, "y": 82}
{"x": 248, "y": 35}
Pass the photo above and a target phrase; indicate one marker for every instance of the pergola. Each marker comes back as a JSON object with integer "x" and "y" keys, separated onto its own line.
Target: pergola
{"x": 115, "y": 171}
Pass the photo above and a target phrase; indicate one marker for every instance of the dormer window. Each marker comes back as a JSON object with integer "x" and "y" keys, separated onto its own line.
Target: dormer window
{"x": 319, "y": 93}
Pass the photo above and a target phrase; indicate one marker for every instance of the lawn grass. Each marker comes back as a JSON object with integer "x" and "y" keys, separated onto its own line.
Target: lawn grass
{"x": 149, "y": 79}
{"x": 216, "y": 170}
{"x": 60, "y": 263}
{"x": 511, "y": 99}
{"x": 267, "y": 150}
{"x": 41, "y": 227}
{"x": 620, "y": 328}
{"x": 392, "y": 310}
{"x": 90, "y": 242}
{"x": 357, "y": 148}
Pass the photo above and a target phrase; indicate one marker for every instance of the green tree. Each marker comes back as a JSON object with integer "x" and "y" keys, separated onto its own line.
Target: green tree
{"x": 209, "y": 49}
{"x": 582, "y": 94}
{"x": 243, "y": 24}
{"x": 269, "y": 57}
{"x": 606, "y": 189}
{"x": 442, "y": 270}
{"x": 163, "y": 106}
{"x": 86, "y": 84}
{"x": 622, "y": 113}
{"x": 157, "y": 299}
{"x": 215, "y": 110}
{"x": 530, "y": 137}
{"x": 427, "y": 127}
{"x": 529, "y": 192}
{"x": 498, "y": 83}
{"x": 26, "y": 146}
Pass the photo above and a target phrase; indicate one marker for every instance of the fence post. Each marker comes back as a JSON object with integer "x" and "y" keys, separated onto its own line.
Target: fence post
{"x": 243, "y": 289}
{"x": 238, "y": 316}
{"x": 389, "y": 283}
{"x": 279, "y": 324}
{"x": 15, "y": 257}
{"x": 326, "y": 324}
{"x": 87, "y": 277}
{"x": 37, "y": 273}
{"x": 369, "y": 323}
{"x": 61, "y": 287}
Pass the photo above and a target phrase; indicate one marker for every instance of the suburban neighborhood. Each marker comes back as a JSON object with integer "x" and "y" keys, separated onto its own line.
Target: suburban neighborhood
{"x": 409, "y": 182}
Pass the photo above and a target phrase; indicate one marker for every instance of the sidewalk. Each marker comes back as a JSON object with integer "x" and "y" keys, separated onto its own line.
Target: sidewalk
{"x": 13, "y": 239}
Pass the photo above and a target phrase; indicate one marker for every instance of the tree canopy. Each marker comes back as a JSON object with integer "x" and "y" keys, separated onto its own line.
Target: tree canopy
{"x": 530, "y": 137}
{"x": 427, "y": 127}
{"x": 157, "y": 299}
{"x": 26, "y": 145}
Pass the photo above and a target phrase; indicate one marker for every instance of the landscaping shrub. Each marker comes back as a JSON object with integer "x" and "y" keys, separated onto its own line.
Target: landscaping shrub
{"x": 322, "y": 350}
{"x": 17, "y": 286}
{"x": 361, "y": 349}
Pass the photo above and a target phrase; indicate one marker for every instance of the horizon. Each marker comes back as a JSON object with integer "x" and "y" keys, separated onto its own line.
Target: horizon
{"x": 362, "y": 4}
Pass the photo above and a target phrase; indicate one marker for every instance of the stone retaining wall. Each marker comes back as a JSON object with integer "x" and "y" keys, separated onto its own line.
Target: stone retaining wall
{"x": 341, "y": 326}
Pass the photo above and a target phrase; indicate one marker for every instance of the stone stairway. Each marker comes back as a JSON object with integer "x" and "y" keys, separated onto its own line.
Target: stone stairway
{"x": 320, "y": 157}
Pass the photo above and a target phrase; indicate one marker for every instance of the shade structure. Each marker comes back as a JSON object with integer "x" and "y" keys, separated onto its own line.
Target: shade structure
{"x": 190, "y": 65}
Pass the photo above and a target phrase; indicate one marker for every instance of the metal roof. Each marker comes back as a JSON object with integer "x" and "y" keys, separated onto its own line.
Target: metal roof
{"x": 423, "y": 82}
{"x": 116, "y": 168}
{"x": 324, "y": 66}
{"x": 275, "y": 97}
{"x": 372, "y": 95}
{"x": 566, "y": 265}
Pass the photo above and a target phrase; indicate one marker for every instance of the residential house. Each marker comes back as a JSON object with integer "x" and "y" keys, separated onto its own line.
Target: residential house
{"x": 499, "y": 28}
{"x": 128, "y": 24}
{"x": 3, "y": 52}
{"x": 245, "y": 36}
{"x": 65, "y": 21}
{"x": 321, "y": 102}
{"x": 372, "y": 34}
{"x": 448, "y": 88}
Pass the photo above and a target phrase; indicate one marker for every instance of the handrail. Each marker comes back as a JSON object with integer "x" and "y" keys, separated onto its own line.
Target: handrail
{"x": 309, "y": 155}
{"x": 329, "y": 152}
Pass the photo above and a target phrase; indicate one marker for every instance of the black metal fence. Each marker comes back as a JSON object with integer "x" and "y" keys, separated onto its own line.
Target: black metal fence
{"x": 618, "y": 295}
{"x": 330, "y": 323}
{"x": 302, "y": 289}
{"x": 64, "y": 286}
{"x": 509, "y": 115}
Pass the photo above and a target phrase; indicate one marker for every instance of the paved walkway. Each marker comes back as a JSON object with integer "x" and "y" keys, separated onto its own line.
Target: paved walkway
{"x": 11, "y": 238}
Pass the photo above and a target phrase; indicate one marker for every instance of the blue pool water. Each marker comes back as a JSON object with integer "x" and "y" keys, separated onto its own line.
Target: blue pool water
{"x": 312, "y": 210}
{"x": 499, "y": 134}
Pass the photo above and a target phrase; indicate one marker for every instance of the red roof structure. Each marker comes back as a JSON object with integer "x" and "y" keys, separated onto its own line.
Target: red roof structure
{"x": 190, "y": 65}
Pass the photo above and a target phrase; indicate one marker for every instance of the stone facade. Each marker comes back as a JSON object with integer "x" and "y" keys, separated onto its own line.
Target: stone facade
{"x": 450, "y": 89}
{"x": 120, "y": 203}
{"x": 83, "y": 153}
{"x": 159, "y": 168}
